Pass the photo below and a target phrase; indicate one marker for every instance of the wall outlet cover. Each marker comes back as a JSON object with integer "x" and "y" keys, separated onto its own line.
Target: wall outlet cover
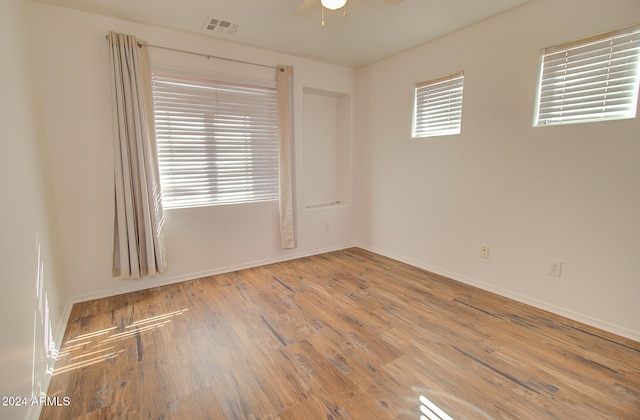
{"x": 555, "y": 268}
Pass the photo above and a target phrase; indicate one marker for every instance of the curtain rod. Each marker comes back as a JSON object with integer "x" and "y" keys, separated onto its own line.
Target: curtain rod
{"x": 208, "y": 56}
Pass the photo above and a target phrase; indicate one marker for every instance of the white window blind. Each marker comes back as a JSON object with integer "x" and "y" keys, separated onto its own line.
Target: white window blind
{"x": 438, "y": 107}
{"x": 590, "y": 80}
{"x": 217, "y": 141}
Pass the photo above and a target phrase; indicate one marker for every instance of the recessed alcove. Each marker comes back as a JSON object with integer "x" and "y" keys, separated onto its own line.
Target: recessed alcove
{"x": 326, "y": 143}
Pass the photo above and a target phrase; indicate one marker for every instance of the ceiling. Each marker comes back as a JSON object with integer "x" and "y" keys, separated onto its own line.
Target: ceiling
{"x": 371, "y": 30}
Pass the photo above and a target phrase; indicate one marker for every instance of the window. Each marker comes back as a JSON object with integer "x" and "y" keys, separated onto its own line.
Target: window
{"x": 594, "y": 79}
{"x": 217, "y": 141}
{"x": 438, "y": 107}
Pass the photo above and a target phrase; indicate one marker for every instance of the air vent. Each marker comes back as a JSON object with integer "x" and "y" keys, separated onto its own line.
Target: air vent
{"x": 221, "y": 26}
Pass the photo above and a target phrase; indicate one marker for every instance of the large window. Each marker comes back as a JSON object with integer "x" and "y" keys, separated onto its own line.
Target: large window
{"x": 437, "y": 107}
{"x": 594, "y": 79}
{"x": 217, "y": 140}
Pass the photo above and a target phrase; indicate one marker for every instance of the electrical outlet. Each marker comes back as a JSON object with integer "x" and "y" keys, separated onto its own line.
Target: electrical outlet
{"x": 327, "y": 226}
{"x": 555, "y": 268}
{"x": 484, "y": 252}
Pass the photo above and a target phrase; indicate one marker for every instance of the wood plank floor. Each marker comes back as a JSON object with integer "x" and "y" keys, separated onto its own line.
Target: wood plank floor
{"x": 347, "y": 334}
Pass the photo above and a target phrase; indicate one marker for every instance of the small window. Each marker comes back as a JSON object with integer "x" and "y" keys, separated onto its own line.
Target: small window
{"x": 437, "y": 107}
{"x": 594, "y": 79}
{"x": 217, "y": 141}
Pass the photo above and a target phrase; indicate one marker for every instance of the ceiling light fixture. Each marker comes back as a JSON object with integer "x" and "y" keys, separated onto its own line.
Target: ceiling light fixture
{"x": 333, "y": 4}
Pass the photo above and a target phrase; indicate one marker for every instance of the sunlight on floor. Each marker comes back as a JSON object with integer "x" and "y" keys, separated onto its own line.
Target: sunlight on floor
{"x": 430, "y": 411}
{"x": 99, "y": 346}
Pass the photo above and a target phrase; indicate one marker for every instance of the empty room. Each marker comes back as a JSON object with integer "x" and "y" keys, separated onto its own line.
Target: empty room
{"x": 301, "y": 209}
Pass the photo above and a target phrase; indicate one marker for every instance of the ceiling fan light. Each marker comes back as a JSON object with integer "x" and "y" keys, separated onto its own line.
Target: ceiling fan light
{"x": 333, "y": 4}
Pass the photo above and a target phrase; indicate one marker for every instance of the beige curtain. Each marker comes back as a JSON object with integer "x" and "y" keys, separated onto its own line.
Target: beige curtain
{"x": 138, "y": 250}
{"x": 285, "y": 116}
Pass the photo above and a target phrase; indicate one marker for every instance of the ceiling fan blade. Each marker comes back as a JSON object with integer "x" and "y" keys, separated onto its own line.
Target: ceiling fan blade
{"x": 305, "y": 6}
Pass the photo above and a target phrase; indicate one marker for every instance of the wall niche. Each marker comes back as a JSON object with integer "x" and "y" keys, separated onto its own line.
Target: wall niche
{"x": 327, "y": 139}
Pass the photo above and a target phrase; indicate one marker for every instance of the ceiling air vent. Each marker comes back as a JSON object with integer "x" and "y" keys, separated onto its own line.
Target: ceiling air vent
{"x": 221, "y": 26}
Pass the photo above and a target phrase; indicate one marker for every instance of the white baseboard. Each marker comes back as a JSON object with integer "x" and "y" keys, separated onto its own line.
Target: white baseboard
{"x": 62, "y": 324}
{"x": 34, "y": 411}
{"x": 58, "y": 335}
{"x": 567, "y": 313}
{"x": 135, "y": 286}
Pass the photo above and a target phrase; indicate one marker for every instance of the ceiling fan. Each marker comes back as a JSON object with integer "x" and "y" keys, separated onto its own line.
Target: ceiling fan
{"x": 306, "y": 5}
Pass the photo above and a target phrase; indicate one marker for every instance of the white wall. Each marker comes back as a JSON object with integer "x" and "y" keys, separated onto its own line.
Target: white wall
{"x": 74, "y": 84}
{"x": 532, "y": 194}
{"x": 327, "y": 125}
{"x": 33, "y": 294}
{"x": 320, "y": 149}
{"x": 565, "y": 193}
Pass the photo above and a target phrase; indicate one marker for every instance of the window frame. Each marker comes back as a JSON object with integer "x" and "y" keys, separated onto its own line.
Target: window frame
{"x": 583, "y": 65}
{"x": 438, "y": 100}
{"x": 254, "y": 134}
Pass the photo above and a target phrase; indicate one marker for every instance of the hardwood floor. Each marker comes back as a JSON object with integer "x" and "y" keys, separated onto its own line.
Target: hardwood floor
{"x": 348, "y": 334}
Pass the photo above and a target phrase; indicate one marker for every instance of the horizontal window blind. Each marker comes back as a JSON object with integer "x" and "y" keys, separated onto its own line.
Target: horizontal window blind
{"x": 590, "y": 80}
{"x": 438, "y": 107}
{"x": 217, "y": 141}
